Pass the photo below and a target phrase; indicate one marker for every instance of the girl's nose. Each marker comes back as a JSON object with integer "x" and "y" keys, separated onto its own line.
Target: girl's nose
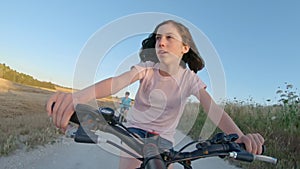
{"x": 162, "y": 42}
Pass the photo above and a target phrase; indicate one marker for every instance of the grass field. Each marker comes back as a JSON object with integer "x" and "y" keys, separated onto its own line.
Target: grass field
{"x": 278, "y": 124}
{"x": 24, "y": 122}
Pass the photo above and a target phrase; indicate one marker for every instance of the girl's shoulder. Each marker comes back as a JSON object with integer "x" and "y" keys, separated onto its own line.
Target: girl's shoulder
{"x": 188, "y": 73}
{"x": 191, "y": 77}
{"x": 147, "y": 64}
{"x": 145, "y": 68}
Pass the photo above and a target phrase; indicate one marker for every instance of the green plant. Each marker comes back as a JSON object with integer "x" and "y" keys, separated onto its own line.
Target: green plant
{"x": 9, "y": 145}
{"x": 289, "y": 103}
{"x": 278, "y": 123}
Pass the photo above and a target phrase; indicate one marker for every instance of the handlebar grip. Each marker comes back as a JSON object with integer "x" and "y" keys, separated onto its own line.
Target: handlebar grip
{"x": 244, "y": 156}
{"x": 243, "y": 146}
{"x": 73, "y": 118}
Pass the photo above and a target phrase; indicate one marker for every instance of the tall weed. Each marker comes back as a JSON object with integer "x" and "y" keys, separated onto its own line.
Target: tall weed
{"x": 278, "y": 123}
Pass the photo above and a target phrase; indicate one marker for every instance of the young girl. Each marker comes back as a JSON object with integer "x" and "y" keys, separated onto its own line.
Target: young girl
{"x": 165, "y": 85}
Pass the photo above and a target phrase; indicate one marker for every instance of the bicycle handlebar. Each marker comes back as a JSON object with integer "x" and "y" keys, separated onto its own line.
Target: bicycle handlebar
{"x": 91, "y": 120}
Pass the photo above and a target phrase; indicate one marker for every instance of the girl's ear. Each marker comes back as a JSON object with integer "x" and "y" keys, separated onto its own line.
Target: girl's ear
{"x": 185, "y": 48}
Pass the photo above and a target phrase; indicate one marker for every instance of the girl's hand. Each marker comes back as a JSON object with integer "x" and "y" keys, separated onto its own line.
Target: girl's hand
{"x": 62, "y": 110}
{"x": 253, "y": 142}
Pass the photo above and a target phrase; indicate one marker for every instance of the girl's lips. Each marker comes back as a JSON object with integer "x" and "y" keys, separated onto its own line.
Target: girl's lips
{"x": 162, "y": 52}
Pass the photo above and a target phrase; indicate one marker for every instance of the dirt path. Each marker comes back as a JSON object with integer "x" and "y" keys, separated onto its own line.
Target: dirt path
{"x": 63, "y": 155}
{"x": 69, "y": 155}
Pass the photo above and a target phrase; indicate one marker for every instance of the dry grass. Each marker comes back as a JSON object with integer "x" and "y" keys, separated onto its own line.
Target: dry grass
{"x": 282, "y": 136}
{"x": 24, "y": 122}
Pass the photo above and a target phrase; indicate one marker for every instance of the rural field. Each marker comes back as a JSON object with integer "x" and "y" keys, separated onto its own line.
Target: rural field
{"x": 24, "y": 121}
{"x": 278, "y": 123}
{"x": 25, "y": 125}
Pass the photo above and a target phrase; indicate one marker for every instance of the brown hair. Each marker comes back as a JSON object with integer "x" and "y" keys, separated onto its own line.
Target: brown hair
{"x": 192, "y": 57}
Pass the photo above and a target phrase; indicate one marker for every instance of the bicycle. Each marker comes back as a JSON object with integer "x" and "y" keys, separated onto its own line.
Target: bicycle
{"x": 152, "y": 157}
{"x": 122, "y": 114}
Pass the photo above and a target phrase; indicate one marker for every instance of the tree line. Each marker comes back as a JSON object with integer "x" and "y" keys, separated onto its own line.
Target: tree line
{"x": 9, "y": 74}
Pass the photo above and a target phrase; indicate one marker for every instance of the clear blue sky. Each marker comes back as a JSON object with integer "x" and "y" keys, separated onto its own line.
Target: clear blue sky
{"x": 257, "y": 40}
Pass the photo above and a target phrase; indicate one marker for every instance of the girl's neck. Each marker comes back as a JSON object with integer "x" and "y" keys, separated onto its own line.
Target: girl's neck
{"x": 165, "y": 70}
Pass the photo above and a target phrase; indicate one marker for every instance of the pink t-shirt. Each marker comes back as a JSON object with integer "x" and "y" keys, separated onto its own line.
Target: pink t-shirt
{"x": 160, "y": 100}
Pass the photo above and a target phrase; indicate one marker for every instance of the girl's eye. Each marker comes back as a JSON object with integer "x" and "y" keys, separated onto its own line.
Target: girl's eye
{"x": 169, "y": 37}
{"x": 157, "y": 37}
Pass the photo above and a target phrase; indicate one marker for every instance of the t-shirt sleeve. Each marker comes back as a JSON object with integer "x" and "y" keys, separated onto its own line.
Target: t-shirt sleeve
{"x": 197, "y": 84}
{"x": 142, "y": 68}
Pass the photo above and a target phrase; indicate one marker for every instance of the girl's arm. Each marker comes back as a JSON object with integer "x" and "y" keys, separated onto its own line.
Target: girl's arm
{"x": 110, "y": 86}
{"x": 65, "y": 102}
{"x": 220, "y": 118}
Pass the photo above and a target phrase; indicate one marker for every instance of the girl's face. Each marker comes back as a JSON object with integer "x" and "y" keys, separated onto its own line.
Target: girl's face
{"x": 169, "y": 46}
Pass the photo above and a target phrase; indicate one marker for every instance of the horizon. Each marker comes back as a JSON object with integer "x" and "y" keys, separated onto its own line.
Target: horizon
{"x": 249, "y": 101}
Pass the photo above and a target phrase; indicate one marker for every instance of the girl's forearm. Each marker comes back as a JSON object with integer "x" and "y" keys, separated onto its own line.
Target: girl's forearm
{"x": 218, "y": 116}
{"x": 221, "y": 119}
{"x": 108, "y": 86}
{"x": 228, "y": 126}
{"x": 98, "y": 90}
